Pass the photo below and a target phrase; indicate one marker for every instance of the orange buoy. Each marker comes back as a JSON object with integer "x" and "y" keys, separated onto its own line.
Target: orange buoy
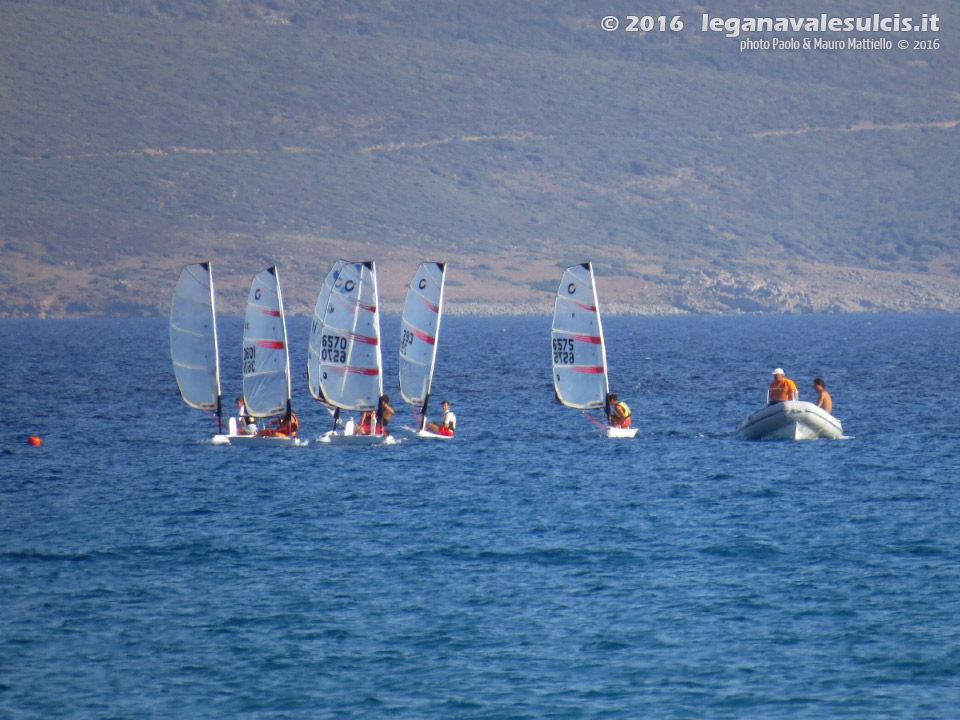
{"x": 33, "y": 440}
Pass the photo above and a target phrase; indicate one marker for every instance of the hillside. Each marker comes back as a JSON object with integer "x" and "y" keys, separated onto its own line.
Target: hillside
{"x": 509, "y": 139}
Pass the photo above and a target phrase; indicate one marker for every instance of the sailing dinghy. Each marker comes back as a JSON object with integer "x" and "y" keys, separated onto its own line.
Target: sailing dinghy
{"x": 419, "y": 330}
{"x": 343, "y": 356}
{"x": 266, "y": 360}
{"x": 579, "y": 357}
{"x": 193, "y": 343}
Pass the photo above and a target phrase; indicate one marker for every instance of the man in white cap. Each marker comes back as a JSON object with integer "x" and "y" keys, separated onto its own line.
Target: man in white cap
{"x": 781, "y": 388}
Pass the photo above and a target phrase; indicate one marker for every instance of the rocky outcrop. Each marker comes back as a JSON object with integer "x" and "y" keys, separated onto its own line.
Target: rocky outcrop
{"x": 823, "y": 291}
{"x": 630, "y": 289}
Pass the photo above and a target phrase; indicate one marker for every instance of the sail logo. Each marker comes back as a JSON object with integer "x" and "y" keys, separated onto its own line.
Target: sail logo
{"x": 257, "y": 294}
{"x": 423, "y": 283}
{"x": 571, "y": 288}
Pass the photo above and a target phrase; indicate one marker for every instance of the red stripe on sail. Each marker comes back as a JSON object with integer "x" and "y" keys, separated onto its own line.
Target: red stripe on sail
{"x": 271, "y": 313}
{"x": 351, "y": 305}
{"x": 589, "y": 370}
{"x": 365, "y": 339}
{"x": 269, "y": 344}
{"x": 591, "y": 308}
{"x": 432, "y": 307}
{"x": 363, "y": 371}
{"x": 423, "y": 336}
{"x": 591, "y": 339}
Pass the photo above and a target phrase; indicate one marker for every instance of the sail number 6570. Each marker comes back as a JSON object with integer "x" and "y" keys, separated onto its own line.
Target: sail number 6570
{"x": 333, "y": 349}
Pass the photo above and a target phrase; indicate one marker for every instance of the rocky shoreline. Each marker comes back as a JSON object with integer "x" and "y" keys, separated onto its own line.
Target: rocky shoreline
{"x": 788, "y": 289}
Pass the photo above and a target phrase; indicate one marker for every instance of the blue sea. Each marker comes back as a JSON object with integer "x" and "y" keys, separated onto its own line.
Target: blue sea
{"x": 523, "y": 569}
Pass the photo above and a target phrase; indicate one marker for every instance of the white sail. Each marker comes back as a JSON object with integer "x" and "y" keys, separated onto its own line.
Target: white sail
{"x": 266, "y": 360}
{"x": 314, "y": 349}
{"x": 419, "y": 329}
{"x": 343, "y": 360}
{"x": 193, "y": 338}
{"x": 579, "y": 359}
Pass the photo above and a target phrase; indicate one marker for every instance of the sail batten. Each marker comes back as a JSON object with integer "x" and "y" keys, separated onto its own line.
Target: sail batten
{"x": 579, "y": 357}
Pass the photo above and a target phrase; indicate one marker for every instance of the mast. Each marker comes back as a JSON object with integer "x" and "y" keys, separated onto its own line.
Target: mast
{"x": 436, "y": 338}
{"x": 376, "y": 324}
{"x": 603, "y": 346}
{"x": 283, "y": 324}
{"x": 423, "y": 412}
{"x": 208, "y": 266}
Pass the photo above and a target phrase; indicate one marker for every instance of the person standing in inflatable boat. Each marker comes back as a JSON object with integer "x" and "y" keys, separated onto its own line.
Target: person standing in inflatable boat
{"x": 781, "y": 389}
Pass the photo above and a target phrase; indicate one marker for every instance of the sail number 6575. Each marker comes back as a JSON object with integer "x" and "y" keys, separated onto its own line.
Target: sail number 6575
{"x": 563, "y": 351}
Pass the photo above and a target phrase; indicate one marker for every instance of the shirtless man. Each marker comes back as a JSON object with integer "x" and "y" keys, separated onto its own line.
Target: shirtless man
{"x": 823, "y": 397}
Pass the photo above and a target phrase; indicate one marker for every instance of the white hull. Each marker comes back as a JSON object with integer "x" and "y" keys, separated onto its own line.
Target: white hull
{"x": 234, "y": 438}
{"x": 337, "y": 437}
{"x": 258, "y": 441}
{"x": 791, "y": 420}
{"x": 426, "y": 434}
{"x": 612, "y": 432}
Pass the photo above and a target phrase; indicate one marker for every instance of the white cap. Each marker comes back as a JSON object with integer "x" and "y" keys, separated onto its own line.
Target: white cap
{"x": 778, "y": 371}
